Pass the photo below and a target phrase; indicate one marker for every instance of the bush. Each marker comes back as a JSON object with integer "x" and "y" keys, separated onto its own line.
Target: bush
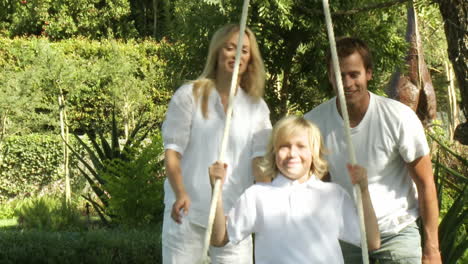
{"x": 48, "y": 213}
{"x": 124, "y": 175}
{"x": 31, "y": 164}
{"x": 135, "y": 186}
{"x": 59, "y": 19}
{"x": 450, "y": 170}
{"x": 93, "y": 75}
{"x": 7, "y": 210}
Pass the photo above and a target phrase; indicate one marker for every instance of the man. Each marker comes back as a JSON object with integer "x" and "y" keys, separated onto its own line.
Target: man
{"x": 389, "y": 141}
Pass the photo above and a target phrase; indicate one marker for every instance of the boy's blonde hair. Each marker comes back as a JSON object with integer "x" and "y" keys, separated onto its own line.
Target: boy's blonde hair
{"x": 284, "y": 129}
{"x": 252, "y": 81}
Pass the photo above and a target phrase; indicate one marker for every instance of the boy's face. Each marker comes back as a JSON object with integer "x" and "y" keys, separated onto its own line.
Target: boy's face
{"x": 294, "y": 156}
{"x": 355, "y": 77}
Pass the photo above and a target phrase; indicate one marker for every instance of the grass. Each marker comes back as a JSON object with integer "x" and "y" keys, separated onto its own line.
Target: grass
{"x": 8, "y": 223}
{"x": 12, "y": 223}
{"x": 101, "y": 246}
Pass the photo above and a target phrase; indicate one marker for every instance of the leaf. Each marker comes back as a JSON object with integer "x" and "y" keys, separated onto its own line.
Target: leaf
{"x": 460, "y": 158}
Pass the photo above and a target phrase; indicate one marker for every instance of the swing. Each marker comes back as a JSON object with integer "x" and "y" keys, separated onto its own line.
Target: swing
{"x": 217, "y": 187}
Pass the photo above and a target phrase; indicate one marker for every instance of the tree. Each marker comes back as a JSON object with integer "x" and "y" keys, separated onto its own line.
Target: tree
{"x": 454, "y": 13}
{"x": 60, "y": 74}
{"x": 47, "y": 77}
{"x": 24, "y": 108}
{"x": 293, "y": 43}
{"x": 62, "y": 19}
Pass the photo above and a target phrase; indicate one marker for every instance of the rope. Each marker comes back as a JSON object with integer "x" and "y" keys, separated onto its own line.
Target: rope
{"x": 217, "y": 186}
{"x": 344, "y": 111}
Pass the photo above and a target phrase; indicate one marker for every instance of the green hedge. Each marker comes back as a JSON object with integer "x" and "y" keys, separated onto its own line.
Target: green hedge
{"x": 28, "y": 164}
{"x": 136, "y": 76}
{"x": 96, "y": 246}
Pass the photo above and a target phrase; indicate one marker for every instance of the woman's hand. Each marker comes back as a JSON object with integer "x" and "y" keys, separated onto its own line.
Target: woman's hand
{"x": 217, "y": 171}
{"x": 180, "y": 207}
{"x": 358, "y": 175}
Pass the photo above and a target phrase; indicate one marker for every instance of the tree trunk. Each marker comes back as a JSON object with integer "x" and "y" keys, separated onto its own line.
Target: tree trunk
{"x": 126, "y": 118}
{"x": 4, "y": 125}
{"x": 454, "y": 13}
{"x": 64, "y": 132}
{"x": 155, "y": 18}
{"x": 452, "y": 100}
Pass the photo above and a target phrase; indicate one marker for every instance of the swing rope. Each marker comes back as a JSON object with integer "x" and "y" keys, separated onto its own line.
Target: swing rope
{"x": 344, "y": 111}
{"x": 224, "y": 141}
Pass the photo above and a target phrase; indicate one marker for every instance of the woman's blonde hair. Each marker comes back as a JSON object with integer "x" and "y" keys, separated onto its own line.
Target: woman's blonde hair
{"x": 284, "y": 129}
{"x": 252, "y": 81}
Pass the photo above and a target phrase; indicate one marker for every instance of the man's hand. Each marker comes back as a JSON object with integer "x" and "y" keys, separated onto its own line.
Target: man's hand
{"x": 358, "y": 175}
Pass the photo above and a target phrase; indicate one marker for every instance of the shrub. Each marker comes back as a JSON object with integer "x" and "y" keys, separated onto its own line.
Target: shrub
{"x": 113, "y": 167}
{"x": 7, "y": 209}
{"x": 135, "y": 186}
{"x": 68, "y": 18}
{"x": 451, "y": 167}
{"x": 31, "y": 164}
{"x": 48, "y": 213}
{"x": 92, "y": 74}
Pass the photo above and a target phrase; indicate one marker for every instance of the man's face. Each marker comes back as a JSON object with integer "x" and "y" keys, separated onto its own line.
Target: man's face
{"x": 355, "y": 78}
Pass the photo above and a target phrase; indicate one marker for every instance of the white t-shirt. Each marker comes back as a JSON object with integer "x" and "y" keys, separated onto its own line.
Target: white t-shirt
{"x": 389, "y": 136}
{"x": 295, "y": 223}
{"x": 186, "y": 131}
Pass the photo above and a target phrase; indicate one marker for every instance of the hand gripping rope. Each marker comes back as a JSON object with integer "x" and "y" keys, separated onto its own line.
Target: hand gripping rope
{"x": 344, "y": 111}
{"x": 217, "y": 186}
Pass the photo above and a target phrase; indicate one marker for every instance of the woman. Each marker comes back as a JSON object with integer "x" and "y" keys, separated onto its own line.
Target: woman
{"x": 192, "y": 133}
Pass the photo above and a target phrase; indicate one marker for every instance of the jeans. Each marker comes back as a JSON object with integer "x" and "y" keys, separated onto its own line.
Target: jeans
{"x": 401, "y": 248}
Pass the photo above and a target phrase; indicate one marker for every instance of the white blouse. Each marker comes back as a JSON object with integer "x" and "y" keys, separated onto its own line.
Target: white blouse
{"x": 295, "y": 223}
{"x": 198, "y": 140}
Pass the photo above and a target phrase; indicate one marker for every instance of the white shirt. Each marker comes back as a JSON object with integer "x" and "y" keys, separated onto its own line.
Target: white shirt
{"x": 295, "y": 223}
{"x": 186, "y": 131}
{"x": 389, "y": 136}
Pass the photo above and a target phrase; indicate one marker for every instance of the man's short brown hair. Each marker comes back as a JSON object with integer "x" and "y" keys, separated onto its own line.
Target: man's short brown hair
{"x": 346, "y": 46}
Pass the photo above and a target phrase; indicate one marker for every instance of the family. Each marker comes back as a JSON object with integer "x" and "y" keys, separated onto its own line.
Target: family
{"x": 287, "y": 190}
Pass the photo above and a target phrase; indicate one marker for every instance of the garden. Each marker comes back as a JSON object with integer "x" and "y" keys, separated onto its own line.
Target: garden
{"x": 84, "y": 86}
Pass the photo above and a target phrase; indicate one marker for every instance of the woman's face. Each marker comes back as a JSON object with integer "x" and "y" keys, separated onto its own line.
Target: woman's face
{"x": 227, "y": 55}
{"x": 294, "y": 156}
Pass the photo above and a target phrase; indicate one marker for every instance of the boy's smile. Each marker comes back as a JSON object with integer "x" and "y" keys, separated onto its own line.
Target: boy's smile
{"x": 294, "y": 156}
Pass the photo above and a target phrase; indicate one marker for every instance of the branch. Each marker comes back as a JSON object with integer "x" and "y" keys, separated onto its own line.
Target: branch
{"x": 359, "y": 10}
{"x": 370, "y": 7}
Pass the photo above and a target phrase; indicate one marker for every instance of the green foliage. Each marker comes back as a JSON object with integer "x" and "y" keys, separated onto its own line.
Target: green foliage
{"x": 104, "y": 154}
{"x": 92, "y": 75}
{"x": 95, "y": 247}
{"x": 293, "y": 43}
{"x": 292, "y": 38}
{"x": 453, "y": 230}
{"x": 26, "y": 108}
{"x": 7, "y": 209}
{"x": 28, "y": 164}
{"x": 135, "y": 186}
{"x": 48, "y": 213}
{"x": 66, "y": 18}
{"x": 451, "y": 169}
